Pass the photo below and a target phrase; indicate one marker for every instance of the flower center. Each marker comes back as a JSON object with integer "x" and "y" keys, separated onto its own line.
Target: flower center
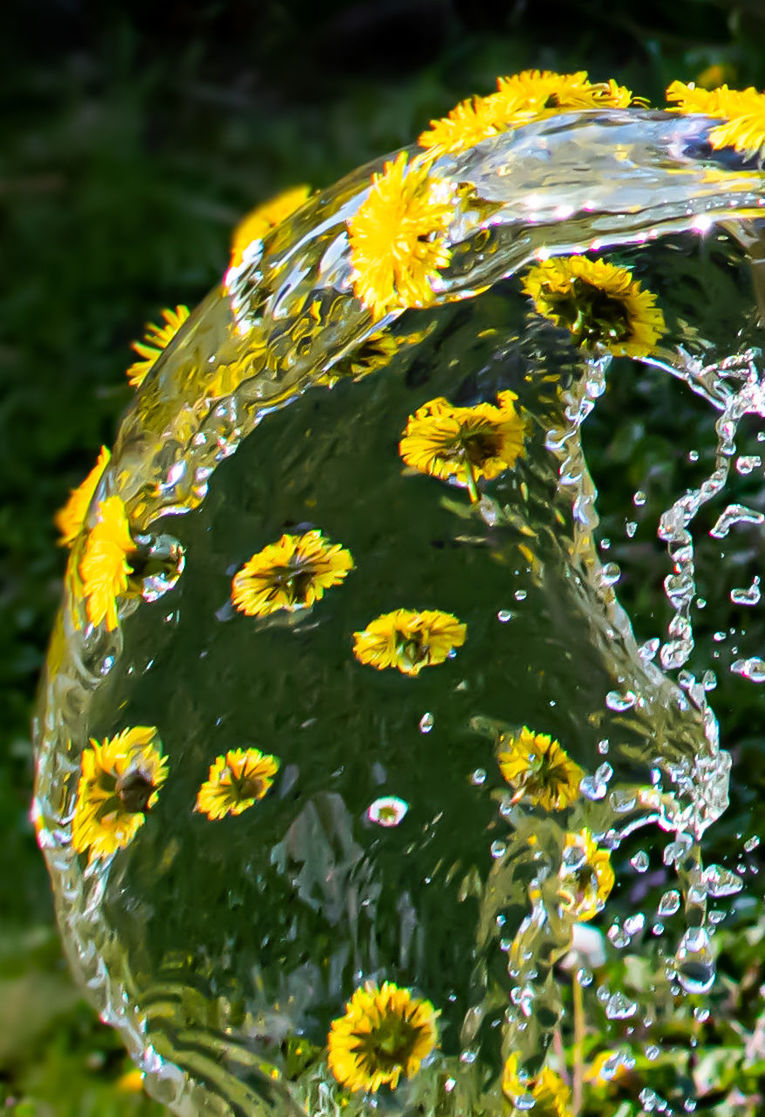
{"x": 390, "y": 1044}
{"x": 134, "y": 790}
{"x": 591, "y": 314}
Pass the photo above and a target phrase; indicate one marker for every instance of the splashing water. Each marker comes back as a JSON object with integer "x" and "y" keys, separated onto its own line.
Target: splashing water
{"x": 396, "y": 825}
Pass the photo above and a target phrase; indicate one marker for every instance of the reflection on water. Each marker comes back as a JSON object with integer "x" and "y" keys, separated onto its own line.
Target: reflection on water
{"x": 449, "y": 750}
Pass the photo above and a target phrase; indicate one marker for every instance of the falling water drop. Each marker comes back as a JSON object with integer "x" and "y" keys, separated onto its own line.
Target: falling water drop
{"x": 694, "y": 962}
{"x": 427, "y": 721}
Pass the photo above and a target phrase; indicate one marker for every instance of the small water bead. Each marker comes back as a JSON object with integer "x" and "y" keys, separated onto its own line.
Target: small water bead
{"x": 735, "y": 514}
{"x": 520, "y": 595}
{"x": 603, "y": 994}
{"x": 709, "y": 680}
{"x": 721, "y": 882}
{"x": 609, "y": 574}
{"x": 693, "y": 455}
{"x": 605, "y": 544}
{"x": 701, "y": 603}
{"x": 603, "y": 746}
{"x": 387, "y": 811}
{"x": 749, "y": 595}
{"x": 504, "y": 615}
{"x": 634, "y": 923}
{"x": 639, "y": 499}
{"x": 695, "y": 962}
{"x": 657, "y": 929}
{"x": 478, "y": 776}
{"x": 669, "y": 903}
{"x": 623, "y": 801}
{"x": 640, "y": 861}
{"x": 689, "y": 1105}
{"x": 752, "y": 669}
{"x": 630, "y": 527}
{"x": 751, "y": 843}
{"x": 677, "y": 850}
{"x": 620, "y": 702}
{"x": 427, "y": 721}
{"x": 652, "y": 1052}
{"x": 716, "y": 915}
{"x": 648, "y": 650}
{"x": 747, "y": 463}
{"x": 584, "y": 977}
{"x": 593, "y": 788}
{"x": 498, "y": 849}
{"x": 618, "y": 936}
{"x": 718, "y": 637}
{"x": 620, "y": 1007}
{"x": 701, "y": 1014}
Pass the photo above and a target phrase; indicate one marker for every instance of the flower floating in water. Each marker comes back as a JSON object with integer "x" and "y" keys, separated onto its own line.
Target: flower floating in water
{"x": 289, "y": 574}
{"x": 264, "y": 218}
{"x": 385, "y": 1032}
{"x": 538, "y": 768}
{"x": 105, "y": 566}
{"x": 236, "y": 781}
{"x": 742, "y": 110}
{"x": 120, "y": 782}
{"x": 409, "y": 640}
{"x": 398, "y": 237}
{"x": 466, "y": 443}
{"x": 552, "y": 1097}
{"x": 71, "y": 518}
{"x": 598, "y": 303}
{"x": 155, "y": 340}
{"x": 586, "y": 877}
{"x": 519, "y": 99}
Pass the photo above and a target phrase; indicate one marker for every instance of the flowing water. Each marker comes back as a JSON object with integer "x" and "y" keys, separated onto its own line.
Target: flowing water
{"x": 391, "y": 848}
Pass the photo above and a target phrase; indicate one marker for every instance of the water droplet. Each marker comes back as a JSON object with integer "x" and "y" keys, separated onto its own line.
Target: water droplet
{"x": 721, "y": 882}
{"x": 648, "y": 650}
{"x": 622, "y": 801}
{"x": 603, "y": 746}
{"x": 640, "y": 861}
{"x": 605, "y": 544}
{"x": 669, "y": 903}
{"x": 694, "y": 961}
{"x": 720, "y": 636}
{"x": 387, "y": 811}
{"x": 620, "y": 1008}
{"x": 693, "y": 455}
{"x": 751, "y": 843}
{"x": 748, "y": 462}
{"x": 498, "y": 849}
{"x": 657, "y": 929}
{"x": 603, "y": 994}
{"x": 618, "y": 936}
{"x": 520, "y": 595}
{"x": 748, "y": 596}
{"x": 584, "y": 977}
{"x": 618, "y": 702}
{"x": 735, "y": 514}
{"x": 652, "y": 1052}
{"x": 752, "y": 669}
{"x": 504, "y": 615}
{"x": 478, "y": 776}
{"x": 676, "y": 851}
{"x": 630, "y": 528}
{"x": 701, "y": 1014}
{"x": 634, "y": 923}
{"x": 427, "y": 721}
{"x": 639, "y": 499}
{"x": 593, "y": 788}
{"x": 609, "y": 574}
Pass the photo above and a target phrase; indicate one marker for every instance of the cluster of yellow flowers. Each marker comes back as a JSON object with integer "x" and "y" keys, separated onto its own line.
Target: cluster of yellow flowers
{"x": 120, "y": 779}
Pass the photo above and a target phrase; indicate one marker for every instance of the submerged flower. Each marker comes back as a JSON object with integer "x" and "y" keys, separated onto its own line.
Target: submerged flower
{"x": 376, "y": 352}
{"x": 289, "y": 574}
{"x": 598, "y": 303}
{"x": 742, "y": 111}
{"x": 398, "y": 237}
{"x": 409, "y": 640}
{"x": 71, "y": 518}
{"x": 154, "y": 341}
{"x": 538, "y": 768}
{"x": 552, "y": 1097}
{"x": 236, "y": 781}
{"x": 385, "y": 1032}
{"x": 264, "y": 218}
{"x": 120, "y": 782}
{"x": 466, "y": 443}
{"x": 105, "y": 566}
{"x": 586, "y": 877}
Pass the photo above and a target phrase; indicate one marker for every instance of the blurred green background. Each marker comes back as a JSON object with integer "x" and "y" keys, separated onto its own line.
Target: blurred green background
{"x": 134, "y": 136}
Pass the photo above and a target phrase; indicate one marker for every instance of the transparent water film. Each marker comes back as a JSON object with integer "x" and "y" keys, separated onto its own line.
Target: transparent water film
{"x": 354, "y": 772}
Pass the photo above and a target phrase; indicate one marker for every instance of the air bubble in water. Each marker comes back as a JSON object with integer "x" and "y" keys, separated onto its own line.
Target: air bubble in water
{"x": 752, "y": 669}
{"x": 640, "y": 861}
{"x": 427, "y": 721}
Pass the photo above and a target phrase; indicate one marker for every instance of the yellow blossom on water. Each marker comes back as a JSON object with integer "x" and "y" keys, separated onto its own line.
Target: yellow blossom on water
{"x": 538, "y": 768}
{"x": 741, "y": 110}
{"x": 264, "y": 218}
{"x": 385, "y": 1032}
{"x": 104, "y": 567}
{"x": 398, "y": 237}
{"x": 236, "y": 781}
{"x": 154, "y": 341}
{"x": 409, "y": 640}
{"x": 552, "y": 1097}
{"x": 70, "y": 519}
{"x": 586, "y": 877}
{"x": 466, "y": 443}
{"x": 468, "y": 123}
{"x": 290, "y": 574}
{"x": 120, "y": 782}
{"x": 598, "y": 303}
{"x": 537, "y": 90}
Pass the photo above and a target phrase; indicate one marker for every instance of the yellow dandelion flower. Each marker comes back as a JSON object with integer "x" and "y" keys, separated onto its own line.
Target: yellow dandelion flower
{"x": 552, "y": 1097}
{"x": 468, "y": 123}
{"x": 599, "y": 303}
{"x": 690, "y": 98}
{"x": 236, "y": 781}
{"x": 376, "y": 352}
{"x": 290, "y": 574}
{"x": 606, "y": 1068}
{"x": 586, "y": 877}
{"x": 741, "y": 110}
{"x": 264, "y": 218}
{"x": 465, "y": 443}
{"x": 70, "y": 519}
{"x": 534, "y": 91}
{"x": 538, "y": 768}
{"x": 155, "y": 340}
{"x": 119, "y": 782}
{"x": 104, "y": 567}
{"x": 131, "y": 1082}
{"x": 512, "y": 1085}
{"x": 385, "y": 1032}
{"x": 409, "y": 640}
{"x": 398, "y": 237}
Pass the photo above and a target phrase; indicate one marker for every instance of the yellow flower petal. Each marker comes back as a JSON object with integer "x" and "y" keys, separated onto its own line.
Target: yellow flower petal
{"x": 385, "y": 1032}
{"x": 398, "y": 237}
{"x": 70, "y": 519}
{"x": 236, "y": 781}
{"x": 104, "y": 567}
{"x": 290, "y": 574}
{"x": 538, "y": 769}
{"x": 155, "y": 340}
{"x": 409, "y": 640}
{"x": 264, "y": 218}
{"x": 586, "y": 877}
